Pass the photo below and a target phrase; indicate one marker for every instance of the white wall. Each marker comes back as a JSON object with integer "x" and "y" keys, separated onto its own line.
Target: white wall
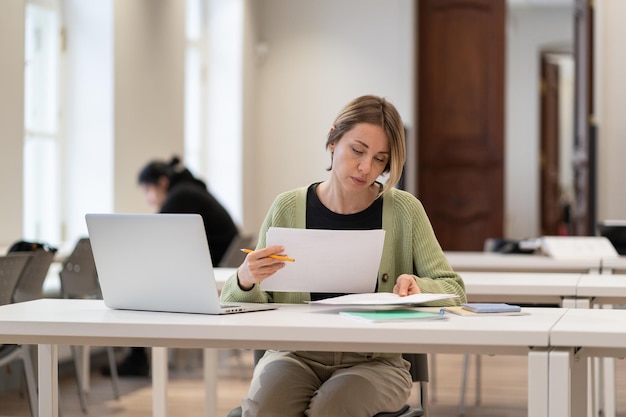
{"x": 529, "y": 31}
{"x": 149, "y": 49}
{"x": 11, "y": 120}
{"x": 610, "y": 103}
{"x": 319, "y": 56}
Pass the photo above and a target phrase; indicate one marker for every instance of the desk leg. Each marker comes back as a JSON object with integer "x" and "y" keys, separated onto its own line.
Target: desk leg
{"x": 567, "y": 383}
{"x": 606, "y": 387}
{"x": 538, "y": 401}
{"x": 48, "y": 358}
{"x": 159, "y": 382}
{"x": 210, "y": 381}
{"x": 86, "y": 367}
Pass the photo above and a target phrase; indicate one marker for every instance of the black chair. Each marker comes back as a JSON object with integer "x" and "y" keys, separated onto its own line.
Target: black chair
{"x": 419, "y": 374}
{"x": 11, "y": 269}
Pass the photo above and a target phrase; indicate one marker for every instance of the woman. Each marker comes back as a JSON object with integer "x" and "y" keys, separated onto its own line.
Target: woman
{"x": 365, "y": 141}
{"x": 169, "y": 187}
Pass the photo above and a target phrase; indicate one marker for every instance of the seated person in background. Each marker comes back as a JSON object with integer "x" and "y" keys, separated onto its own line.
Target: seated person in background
{"x": 169, "y": 187}
{"x": 365, "y": 141}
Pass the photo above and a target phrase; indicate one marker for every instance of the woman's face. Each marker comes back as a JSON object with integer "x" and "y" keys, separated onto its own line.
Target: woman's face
{"x": 360, "y": 156}
{"x": 155, "y": 194}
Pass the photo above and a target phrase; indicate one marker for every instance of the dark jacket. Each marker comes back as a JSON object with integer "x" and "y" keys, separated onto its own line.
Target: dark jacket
{"x": 188, "y": 194}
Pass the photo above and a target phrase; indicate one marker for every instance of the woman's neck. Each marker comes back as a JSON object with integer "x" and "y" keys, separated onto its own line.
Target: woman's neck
{"x": 339, "y": 201}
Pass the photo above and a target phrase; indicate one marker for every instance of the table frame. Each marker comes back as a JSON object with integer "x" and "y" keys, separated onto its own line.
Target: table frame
{"x": 49, "y": 323}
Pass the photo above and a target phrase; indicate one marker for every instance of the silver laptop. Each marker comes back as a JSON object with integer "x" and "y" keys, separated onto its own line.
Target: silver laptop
{"x": 157, "y": 262}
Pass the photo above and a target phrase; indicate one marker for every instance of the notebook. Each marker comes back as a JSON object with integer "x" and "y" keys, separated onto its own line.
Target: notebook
{"x": 157, "y": 262}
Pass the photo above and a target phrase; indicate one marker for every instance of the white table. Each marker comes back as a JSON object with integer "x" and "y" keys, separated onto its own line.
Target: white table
{"x": 49, "y": 322}
{"x": 498, "y": 262}
{"x": 614, "y": 265}
{"x": 579, "y": 335}
{"x": 522, "y": 287}
{"x": 602, "y": 291}
{"x": 602, "y": 288}
{"x": 52, "y": 289}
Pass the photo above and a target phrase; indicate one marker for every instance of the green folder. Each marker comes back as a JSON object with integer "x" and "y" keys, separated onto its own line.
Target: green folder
{"x": 391, "y": 315}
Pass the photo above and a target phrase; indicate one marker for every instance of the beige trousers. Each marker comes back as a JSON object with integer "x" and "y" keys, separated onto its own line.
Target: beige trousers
{"x": 327, "y": 384}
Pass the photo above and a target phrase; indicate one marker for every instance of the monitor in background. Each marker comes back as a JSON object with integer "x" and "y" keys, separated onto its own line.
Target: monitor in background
{"x": 615, "y": 231}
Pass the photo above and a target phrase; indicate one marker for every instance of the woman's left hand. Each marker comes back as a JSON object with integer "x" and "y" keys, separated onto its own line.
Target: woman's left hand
{"x": 406, "y": 285}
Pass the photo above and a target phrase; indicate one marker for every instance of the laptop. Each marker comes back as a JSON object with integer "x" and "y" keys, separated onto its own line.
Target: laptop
{"x": 157, "y": 262}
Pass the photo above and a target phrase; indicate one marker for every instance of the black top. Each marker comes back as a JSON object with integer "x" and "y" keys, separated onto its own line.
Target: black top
{"x": 188, "y": 194}
{"x": 318, "y": 216}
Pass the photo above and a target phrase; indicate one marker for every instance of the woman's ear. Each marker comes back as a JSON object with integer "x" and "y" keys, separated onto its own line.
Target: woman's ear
{"x": 164, "y": 182}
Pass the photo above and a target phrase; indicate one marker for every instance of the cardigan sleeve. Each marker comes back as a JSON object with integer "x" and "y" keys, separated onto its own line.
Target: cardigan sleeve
{"x": 282, "y": 213}
{"x": 416, "y": 251}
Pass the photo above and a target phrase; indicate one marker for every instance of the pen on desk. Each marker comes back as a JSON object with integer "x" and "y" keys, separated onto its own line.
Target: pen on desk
{"x": 277, "y": 257}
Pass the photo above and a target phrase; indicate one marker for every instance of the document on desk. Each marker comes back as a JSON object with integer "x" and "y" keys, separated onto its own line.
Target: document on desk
{"x": 383, "y": 299}
{"x": 340, "y": 261}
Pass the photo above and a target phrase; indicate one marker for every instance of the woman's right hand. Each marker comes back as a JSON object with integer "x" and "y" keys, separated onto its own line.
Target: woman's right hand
{"x": 258, "y": 266}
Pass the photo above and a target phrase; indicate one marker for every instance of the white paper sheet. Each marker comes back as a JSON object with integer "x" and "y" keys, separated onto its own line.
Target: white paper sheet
{"x": 343, "y": 261}
{"x": 383, "y": 298}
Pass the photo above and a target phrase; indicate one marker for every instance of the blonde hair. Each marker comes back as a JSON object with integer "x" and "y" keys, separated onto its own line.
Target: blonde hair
{"x": 377, "y": 111}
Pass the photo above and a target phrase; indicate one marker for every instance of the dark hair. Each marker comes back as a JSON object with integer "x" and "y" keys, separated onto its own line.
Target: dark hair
{"x": 156, "y": 169}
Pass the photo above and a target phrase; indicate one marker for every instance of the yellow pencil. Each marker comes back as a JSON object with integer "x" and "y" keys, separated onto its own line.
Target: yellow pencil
{"x": 277, "y": 257}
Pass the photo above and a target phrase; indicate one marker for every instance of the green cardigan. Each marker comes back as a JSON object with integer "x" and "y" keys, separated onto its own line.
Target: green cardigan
{"x": 410, "y": 247}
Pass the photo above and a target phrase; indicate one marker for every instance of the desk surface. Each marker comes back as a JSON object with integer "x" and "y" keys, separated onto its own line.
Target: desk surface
{"x": 491, "y": 261}
{"x": 602, "y": 285}
{"x": 590, "y": 328}
{"x": 54, "y": 321}
{"x": 522, "y": 283}
{"x": 520, "y": 287}
{"x": 617, "y": 265}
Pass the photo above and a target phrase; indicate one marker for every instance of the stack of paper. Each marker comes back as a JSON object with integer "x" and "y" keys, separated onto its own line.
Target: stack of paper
{"x": 383, "y": 298}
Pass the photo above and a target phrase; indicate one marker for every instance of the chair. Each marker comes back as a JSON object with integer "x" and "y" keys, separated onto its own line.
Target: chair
{"x": 419, "y": 374}
{"x": 30, "y": 284}
{"x": 11, "y": 268}
{"x": 79, "y": 279}
{"x": 233, "y": 257}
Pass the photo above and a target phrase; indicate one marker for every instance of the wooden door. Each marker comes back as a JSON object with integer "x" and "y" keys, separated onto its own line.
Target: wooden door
{"x": 584, "y": 206}
{"x": 550, "y": 190}
{"x": 461, "y": 119}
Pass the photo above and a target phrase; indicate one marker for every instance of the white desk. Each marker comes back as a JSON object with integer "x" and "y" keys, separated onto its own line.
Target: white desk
{"x": 522, "y": 287}
{"x": 581, "y": 334}
{"x": 602, "y": 288}
{"x": 614, "y": 265}
{"x": 52, "y": 289}
{"x": 49, "y": 322}
{"x": 498, "y": 262}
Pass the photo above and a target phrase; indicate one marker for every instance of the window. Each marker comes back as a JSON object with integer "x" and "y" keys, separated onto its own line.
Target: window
{"x": 195, "y": 85}
{"x": 41, "y": 125}
{"x": 214, "y": 97}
